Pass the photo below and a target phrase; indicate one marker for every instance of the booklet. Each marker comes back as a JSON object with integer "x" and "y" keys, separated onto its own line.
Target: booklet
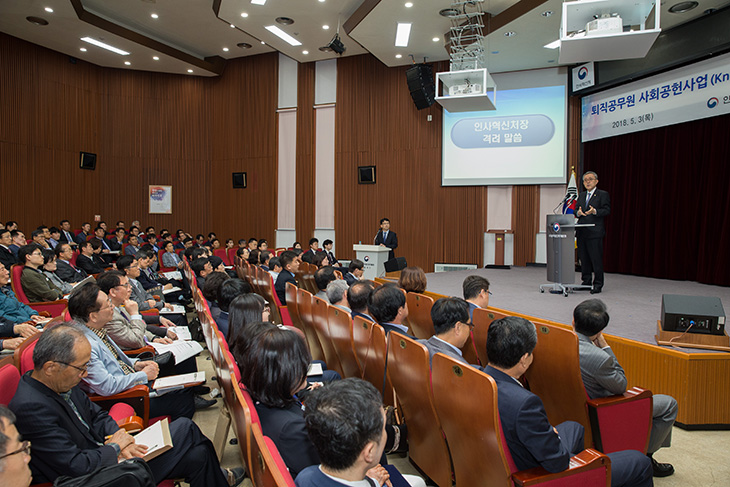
{"x": 177, "y": 309}
{"x": 173, "y": 289}
{"x": 156, "y": 438}
{"x": 173, "y": 275}
{"x": 179, "y": 381}
{"x": 181, "y": 350}
{"x": 182, "y": 332}
{"x": 314, "y": 369}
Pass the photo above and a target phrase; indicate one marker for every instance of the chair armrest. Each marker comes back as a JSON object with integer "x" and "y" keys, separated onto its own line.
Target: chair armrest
{"x": 131, "y": 424}
{"x": 136, "y": 396}
{"x": 581, "y": 464}
{"x": 150, "y": 312}
{"x": 52, "y": 308}
{"x": 139, "y": 351}
{"x": 633, "y": 394}
{"x": 45, "y": 314}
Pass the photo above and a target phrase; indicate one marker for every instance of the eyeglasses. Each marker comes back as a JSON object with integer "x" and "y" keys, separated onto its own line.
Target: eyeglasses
{"x": 124, "y": 285}
{"x": 83, "y": 369}
{"x": 24, "y": 448}
{"x": 589, "y": 179}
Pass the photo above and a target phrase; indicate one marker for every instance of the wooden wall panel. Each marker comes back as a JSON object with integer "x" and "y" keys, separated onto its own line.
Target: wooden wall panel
{"x": 525, "y": 222}
{"x": 305, "y": 187}
{"x": 146, "y": 128}
{"x": 378, "y": 124}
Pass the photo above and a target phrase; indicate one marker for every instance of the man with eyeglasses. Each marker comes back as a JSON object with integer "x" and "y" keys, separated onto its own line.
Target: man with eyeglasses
{"x": 593, "y": 206}
{"x": 476, "y": 293}
{"x": 452, "y": 324}
{"x": 14, "y": 454}
{"x": 73, "y": 436}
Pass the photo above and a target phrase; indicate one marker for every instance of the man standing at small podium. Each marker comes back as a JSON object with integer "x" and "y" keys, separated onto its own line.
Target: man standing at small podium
{"x": 386, "y": 238}
{"x": 593, "y": 206}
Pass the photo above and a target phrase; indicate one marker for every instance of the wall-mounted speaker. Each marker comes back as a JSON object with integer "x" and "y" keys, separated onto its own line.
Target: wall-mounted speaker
{"x": 366, "y": 174}
{"x": 421, "y": 86}
{"x": 88, "y": 161}
{"x": 239, "y": 180}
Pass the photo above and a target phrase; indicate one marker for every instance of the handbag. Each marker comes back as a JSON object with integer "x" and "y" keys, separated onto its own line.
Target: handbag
{"x": 129, "y": 473}
{"x": 166, "y": 362}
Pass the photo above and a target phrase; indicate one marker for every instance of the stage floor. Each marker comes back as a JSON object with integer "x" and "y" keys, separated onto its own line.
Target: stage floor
{"x": 634, "y": 303}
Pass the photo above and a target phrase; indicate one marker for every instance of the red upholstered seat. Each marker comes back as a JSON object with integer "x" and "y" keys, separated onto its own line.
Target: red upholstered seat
{"x": 9, "y": 377}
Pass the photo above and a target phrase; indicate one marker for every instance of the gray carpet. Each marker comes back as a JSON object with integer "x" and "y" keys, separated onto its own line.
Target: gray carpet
{"x": 634, "y": 303}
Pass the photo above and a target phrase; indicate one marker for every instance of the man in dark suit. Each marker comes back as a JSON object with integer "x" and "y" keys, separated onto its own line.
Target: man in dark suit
{"x": 73, "y": 436}
{"x": 85, "y": 233}
{"x": 308, "y": 256}
{"x": 386, "y": 238}
{"x": 388, "y": 306}
{"x": 358, "y": 297}
{"x": 290, "y": 264}
{"x": 476, "y": 292}
{"x": 592, "y": 207}
{"x": 88, "y": 260}
{"x": 327, "y": 246}
{"x": 7, "y": 257}
{"x": 66, "y": 235}
{"x": 66, "y": 271}
{"x": 452, "y": 326}
{"x": 531, "y": 439}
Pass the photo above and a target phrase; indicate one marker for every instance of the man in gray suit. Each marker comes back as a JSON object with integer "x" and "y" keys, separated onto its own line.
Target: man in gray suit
{"x": 452, "y": 325}
{"x": 603, "y": 376}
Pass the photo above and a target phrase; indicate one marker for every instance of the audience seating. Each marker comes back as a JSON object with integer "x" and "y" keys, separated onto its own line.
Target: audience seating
{"x": 466, "y": 402}
{"x": 224, "y": 255}
{"x": 410, "y": 371}
{"x": 361, "y": 331}
{"x": 419, "y": 315}
{"x": 481, "y": 319}
{"x": 162, "y": 268}
{"x": 267, "y": 466}
{"x": 340, "y": 327}
{"x": 304, "y": 307}
{"x": 232, "y": 256}
{"x": 291, "y": 305}
{"x": 374, "y": 365}
{"x": 9, "y": 378}
{"x": 320, "y": 318}
{"x": 611, "y": 424}
{"x": 54, "y": 308}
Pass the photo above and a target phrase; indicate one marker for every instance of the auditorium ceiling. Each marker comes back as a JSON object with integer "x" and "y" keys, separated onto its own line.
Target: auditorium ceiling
{"x": 197, "y": 37}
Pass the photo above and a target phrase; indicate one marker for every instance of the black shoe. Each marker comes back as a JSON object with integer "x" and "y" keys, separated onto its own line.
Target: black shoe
{"x": 586, "y": 284}
{"x": 596, "y": 290}
{"x": 201, "y": 403}
{"x": 661, "y": 469}
{"x": 235, "y": 476}
{"x": 200, "y": 390}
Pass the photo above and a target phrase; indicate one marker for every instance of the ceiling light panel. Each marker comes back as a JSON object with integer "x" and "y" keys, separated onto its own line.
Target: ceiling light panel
{"x": 282, "y": 35}
{"x": 93, "y": 41}
{"x": 402, "y": 34}
{"x": 258, "y": 2}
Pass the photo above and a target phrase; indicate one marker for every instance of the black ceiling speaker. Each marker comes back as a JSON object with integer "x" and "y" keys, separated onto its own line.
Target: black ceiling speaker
{"x": 88, "y": 161}
{"x": 239, "y": 180}
{"x": 337, "y": 45}
{"x": 420, "y": 84}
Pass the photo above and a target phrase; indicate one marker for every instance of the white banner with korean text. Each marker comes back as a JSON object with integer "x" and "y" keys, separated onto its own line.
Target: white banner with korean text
{"x": 700, "y": 90}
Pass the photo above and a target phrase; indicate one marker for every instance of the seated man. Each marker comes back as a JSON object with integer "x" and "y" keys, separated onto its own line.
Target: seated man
{"x": 346, "y": 424}
{"x": 603, "y": 376}
{"x": 39, "y": 237}
{"x": 388, "y": 306}
{"x": 88, "y": 260}
{"x": 83, "y": 236}
{"x": 322, "y": 277}
{"x": 36, "y": 285}
{"x": 229, "y": 290}
{"x": 65, "y": 270}
{"x": 117, "y": 242}
{"x": 110, "y": 371}
{"x": 73, "y": 436}
{"x": 151, "y": 279}
{"x": 452, "y": 325}
{"x": 14, "y": 453}
{"x": 476, "y": 293}
{"x": 531, "y": 439}
{"x": 274, "y": 265}
{"x": 354, "y": 271}
{"x": 289, "y": 265}
{"x": 18, "y": 239}
{"x": 202, "y": 267}
{"x": 327, "y": 245}
{"x": 7, "y": 257}
{"x": 133, "y": 246}
{"x": 66, "y": 235}
{"x": 308, "y": 256}
{"x": 358, "y": 296}
{"x": 337, "y": 294}
{"x": 10, "y": 308}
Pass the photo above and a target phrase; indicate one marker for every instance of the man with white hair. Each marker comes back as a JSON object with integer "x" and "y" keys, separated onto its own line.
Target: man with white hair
{"x": 337, "y": 294}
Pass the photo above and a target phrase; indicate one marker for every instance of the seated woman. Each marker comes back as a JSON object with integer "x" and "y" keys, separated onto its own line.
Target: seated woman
{"x": 274, "y": 370}
{"x": 36, "y": 286}
{"x": 412, "y": 279}
{"x": 211, "y": 287}
{"x": 242, "y": 253}
{"x": 320, "y": 259}
{"x": 229, "y": 244}
{"x": 170, "y": 257}
{"x": 253, "y": 257}
{"x": 49, "y": 270}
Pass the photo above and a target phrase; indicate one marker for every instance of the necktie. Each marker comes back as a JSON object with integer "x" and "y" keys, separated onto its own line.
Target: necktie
{"x": 67, "y": 397}
{"x": 588, "y": 197}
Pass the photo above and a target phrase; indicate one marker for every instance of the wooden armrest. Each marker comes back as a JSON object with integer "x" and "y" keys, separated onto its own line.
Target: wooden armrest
{"x": 633, "y": 394}
{"x": 48, "y": 303}
{"x": 150, "y": 312}
{"x": 156, "y": 297}
{"x": 140, "y": 390}
{"x": 131, "y": 424}
{"x": 45, "y": 314}
{"x": 139, "y": 351}
{"x": 588, "y": 459}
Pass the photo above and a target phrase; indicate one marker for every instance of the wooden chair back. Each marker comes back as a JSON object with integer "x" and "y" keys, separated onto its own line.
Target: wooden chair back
{"x": 267, "y": 291}
{"x": 340, "y": 326}
{"x": 304, "y": 306}
{"x": 291, "y": 305}
{"x": 267, "y": 467}
{"x": 410, "y": 372}
{"x": 374, "y": 368}
{"x": 241, "y": 419}
{"x": 320, "y": 318}
{"x": 481, "y": 319}
{"x": 361, "y": 332}
{"x": 419, "y": 315}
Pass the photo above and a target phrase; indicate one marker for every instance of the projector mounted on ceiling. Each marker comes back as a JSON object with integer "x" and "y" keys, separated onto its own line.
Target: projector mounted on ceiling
{"x": 335, "y": 45}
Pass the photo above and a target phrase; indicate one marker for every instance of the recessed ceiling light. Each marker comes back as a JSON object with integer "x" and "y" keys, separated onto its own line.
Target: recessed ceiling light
{"x": 244, "y": 14}
{"x": 398, "y": 56}
{"x": 547, "y": 13}
{"x": 93, "y": 41}
{"x": 244, "y": 45}
{"x": 325, "y": 49}
{"x": 258, "y": 2}
{"x": 225, "y": 49}
{"x": 553, "y": 45}
{"x": 326, "y": 27}
{"x": 435, "y": 39}
{"x": 321, "y": 1}
{"x": 264, "y": 43}
{"x": 409, "y": 4}
{"x": 284, "y": 20}
{"x": 510, "y": 33}
{"x": 49, "y": 10}
{"x": 156, "y": 58}
{"x": 154, "y": 16}
{"x": 82, "y": 49}
{"x": 127, "y": 63}
{"x": 682, "y": 7}
{"x": 190, "y": 70}
{"x": 305, "y": 52}
{"x": 402, "y": 34}
{"x": 282, "y": 35}
{"x": 233, "y": 26}
{"x": 37, "y": 20}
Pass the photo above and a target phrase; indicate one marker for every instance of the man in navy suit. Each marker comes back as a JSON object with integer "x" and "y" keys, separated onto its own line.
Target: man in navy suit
{"x": 388, "y": 306}
{"x": 386, "y": 238}
{"x": 531, "y": 439}
{"x": 290, "y": 264}
{"x": 593, "y": 206}
{"x": 476, "y": 292}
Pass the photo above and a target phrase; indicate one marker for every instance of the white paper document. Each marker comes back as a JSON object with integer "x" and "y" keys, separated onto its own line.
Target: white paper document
{"x": 156, "y": 438}
{"x": 177, "y": 309}
{"x": 173, "y": 289}
{"x": 179, "y": 381}
{"x": 181, "y": 350}
{"x": 182, "y": 332}
{"x": 173, "y": 275}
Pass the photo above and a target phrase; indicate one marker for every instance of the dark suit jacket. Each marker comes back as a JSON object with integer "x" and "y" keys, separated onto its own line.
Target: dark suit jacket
{"x": 7, "y": 258}
{"x": 391, "y": 242}
{"x": 285, "y": 426}
{"x": 388, "y": 327}
{"x": 280, "y": 285}
{"x": 81, "y": 238}
{"x": 114, "y": 244}
{"x": 67, "y": 273}
{"x": 602, "y": 203}
{"x": 146, "y": 281}
{"x": 350, "y": 278}
{"x": 529, "y": 435}
{"x": 65, "y": 239}
{"x": 93, "y": 265}
{"x": 62, "y": 445}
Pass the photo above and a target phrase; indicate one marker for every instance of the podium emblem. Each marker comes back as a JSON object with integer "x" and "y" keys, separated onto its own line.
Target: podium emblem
{"x": 556, "y": 227}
